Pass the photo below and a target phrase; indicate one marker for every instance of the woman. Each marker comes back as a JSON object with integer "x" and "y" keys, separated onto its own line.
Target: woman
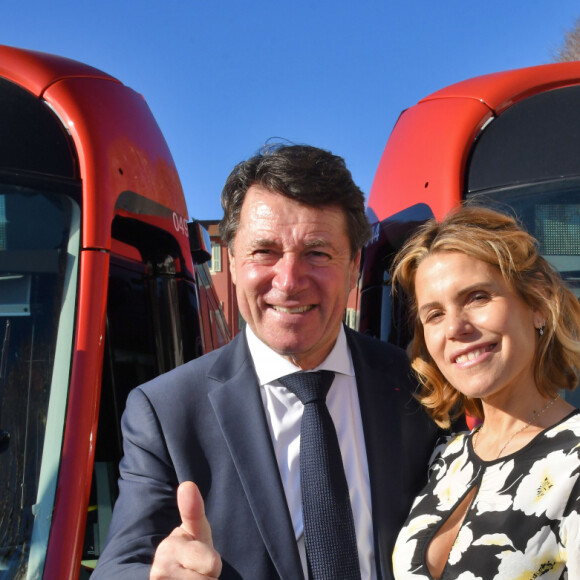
{"x": 496, "y": 335}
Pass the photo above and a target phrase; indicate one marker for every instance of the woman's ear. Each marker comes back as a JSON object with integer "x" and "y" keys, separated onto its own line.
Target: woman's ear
{"x": 541, "y": 311}
{"x": 540, "y": 324}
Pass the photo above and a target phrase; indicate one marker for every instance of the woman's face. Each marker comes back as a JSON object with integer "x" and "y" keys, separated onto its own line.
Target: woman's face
{"x": 479, "y": 332}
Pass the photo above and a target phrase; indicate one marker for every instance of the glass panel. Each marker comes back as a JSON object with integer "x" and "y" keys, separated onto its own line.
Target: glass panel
{"x": 152, "y": 326}
{"x": 550, "y": 211}
{"x": 39, "y": 249}
{"x": 216, "y": 258}
{"x": 381, "y": 314}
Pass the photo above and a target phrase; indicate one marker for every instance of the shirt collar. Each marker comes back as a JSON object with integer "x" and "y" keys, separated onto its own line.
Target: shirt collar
{"x": 270, "y": 366}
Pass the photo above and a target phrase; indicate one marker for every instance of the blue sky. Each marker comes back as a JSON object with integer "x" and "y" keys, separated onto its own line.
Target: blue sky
{"x": 222, "y": 77}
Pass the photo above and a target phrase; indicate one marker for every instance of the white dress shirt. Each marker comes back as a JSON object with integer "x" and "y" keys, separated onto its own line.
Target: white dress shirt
{"x": 284, "y": 414}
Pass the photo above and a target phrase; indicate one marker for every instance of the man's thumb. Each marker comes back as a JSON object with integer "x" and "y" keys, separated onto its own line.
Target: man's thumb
{"x": 192, "y": 512}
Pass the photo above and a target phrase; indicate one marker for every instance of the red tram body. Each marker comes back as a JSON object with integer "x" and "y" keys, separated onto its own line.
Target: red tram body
{"x": 509, "y": 140}
{"x": 103, "y": 285}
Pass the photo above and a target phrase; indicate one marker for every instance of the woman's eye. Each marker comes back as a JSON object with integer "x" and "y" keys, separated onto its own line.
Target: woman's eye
{"x": 479, "y": 297}
{"x": 433, "y": 316}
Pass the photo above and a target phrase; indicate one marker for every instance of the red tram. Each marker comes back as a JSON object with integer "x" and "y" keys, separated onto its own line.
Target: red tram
{"x": 103, "y": 285}
{"x": 511, "y": 140}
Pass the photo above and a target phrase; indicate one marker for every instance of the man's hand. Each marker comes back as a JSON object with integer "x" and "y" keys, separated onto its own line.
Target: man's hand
{"x": 188, "y": 552}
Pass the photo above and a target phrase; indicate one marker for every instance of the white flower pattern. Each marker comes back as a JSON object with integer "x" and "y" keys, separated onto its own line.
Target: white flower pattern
{"x": 493, "y": 496}
{"x": 548, "y": 481}
{"x": 524, "y": 521}
{"x": 540, "y": 558}
{"x": 468, "y": 576}
{"x": 462, "y": 542}
{"x": 493, "y": 540}
{"x": 453, "y": 482}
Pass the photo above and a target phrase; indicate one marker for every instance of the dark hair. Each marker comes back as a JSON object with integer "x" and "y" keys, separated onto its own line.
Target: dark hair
{"x": 496, "y": 239}
{"x": 306, "y": 174}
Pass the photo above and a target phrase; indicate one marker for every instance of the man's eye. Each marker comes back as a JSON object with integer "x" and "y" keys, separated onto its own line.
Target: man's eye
{"x": 263, "y": 255}
{"x": 319, "y": 255}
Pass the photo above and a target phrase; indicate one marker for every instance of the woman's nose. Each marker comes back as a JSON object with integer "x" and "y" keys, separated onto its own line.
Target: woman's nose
{"x": 458, "y": 324}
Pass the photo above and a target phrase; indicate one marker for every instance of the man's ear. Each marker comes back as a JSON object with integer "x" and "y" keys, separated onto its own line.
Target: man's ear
{"x": 354, "y": 269}
{"x": 232, "y": 261}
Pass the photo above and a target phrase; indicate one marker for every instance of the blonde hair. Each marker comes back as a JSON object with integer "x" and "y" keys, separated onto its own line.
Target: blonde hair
{"x": 496, "y": 239}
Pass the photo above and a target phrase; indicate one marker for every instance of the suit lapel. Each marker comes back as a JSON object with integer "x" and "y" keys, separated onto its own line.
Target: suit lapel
{"x": 238, "y": 406}
{"x": 379, "y": 411}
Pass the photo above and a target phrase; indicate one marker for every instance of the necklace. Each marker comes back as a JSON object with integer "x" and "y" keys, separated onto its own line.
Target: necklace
{"x": 531, "y": 422}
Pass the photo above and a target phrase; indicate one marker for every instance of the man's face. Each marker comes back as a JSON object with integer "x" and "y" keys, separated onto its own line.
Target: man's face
{"x": 293, "y": 271}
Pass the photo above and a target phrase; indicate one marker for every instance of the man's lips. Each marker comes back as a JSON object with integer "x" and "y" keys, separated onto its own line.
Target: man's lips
{"x": 472, "y": 354}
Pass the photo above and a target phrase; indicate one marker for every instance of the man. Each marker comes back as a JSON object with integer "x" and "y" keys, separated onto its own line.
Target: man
{"x": 295, "y": 225}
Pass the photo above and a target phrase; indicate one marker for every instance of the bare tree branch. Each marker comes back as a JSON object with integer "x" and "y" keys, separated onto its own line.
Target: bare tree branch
{"x": 570, "y": 49}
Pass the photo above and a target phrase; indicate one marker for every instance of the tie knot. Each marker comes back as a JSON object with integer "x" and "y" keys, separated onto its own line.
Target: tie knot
{"x": 309, "y": 387}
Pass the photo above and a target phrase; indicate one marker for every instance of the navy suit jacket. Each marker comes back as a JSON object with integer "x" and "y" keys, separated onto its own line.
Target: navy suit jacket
{"x": 205, "y": 422}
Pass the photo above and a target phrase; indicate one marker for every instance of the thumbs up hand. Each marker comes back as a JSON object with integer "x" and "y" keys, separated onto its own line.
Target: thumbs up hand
{"x": 188, "y": 552}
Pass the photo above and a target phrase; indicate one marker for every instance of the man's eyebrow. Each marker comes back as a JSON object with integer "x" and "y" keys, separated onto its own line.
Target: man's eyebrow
{"x": 318, "y": 243}
{"x": 263, "y": 243}
{"x": 271, "y": 242}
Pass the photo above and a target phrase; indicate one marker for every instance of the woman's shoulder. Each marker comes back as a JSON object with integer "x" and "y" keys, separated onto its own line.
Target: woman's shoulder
{"x": 567, "y": 430}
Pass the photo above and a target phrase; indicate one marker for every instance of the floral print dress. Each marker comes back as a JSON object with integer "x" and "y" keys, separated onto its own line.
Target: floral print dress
{"x": 524, "y": 520}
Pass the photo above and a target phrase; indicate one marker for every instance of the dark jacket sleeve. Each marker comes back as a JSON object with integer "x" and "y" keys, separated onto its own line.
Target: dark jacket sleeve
{"x": 146, "y": 511}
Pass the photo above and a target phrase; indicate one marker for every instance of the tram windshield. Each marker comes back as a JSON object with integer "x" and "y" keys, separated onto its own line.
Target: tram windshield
{"x": 550, "y": 211}
{"x": 39, "y": 251}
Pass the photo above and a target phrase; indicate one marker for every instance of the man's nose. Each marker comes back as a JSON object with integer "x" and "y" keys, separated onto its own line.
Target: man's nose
{"x": 290, "y": 274}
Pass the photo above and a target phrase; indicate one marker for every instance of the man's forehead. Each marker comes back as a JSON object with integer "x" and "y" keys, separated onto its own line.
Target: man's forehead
{"x": 266, "y": 205}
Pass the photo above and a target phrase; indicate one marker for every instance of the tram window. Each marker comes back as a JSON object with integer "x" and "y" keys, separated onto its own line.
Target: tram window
{"x": 558, "y": 232}
{"x": 382, "y": 316}
{"x": 38, "y": 267}
{"x": 130, "y": 326}
{"x": 550, "y": 211}
{"x": 558, "y": 228}
{"x": 152, "y": 326}
{"x": 191, "y": 332}
{"x": 130, "y": 359}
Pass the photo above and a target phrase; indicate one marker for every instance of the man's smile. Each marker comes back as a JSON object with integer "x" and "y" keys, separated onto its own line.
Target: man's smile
{"x": 293, "y": 310}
